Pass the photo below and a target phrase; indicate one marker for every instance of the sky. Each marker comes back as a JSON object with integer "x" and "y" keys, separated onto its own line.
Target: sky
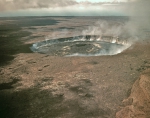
{"x": 102, "y": 0}
{"x": 63, "y": 7}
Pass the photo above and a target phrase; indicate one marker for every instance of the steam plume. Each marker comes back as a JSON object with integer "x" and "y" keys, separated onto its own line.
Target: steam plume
{"x": 139, "y": 12}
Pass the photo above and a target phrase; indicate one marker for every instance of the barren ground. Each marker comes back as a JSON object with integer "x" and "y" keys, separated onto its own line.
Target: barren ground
{"x": 38, "y": 85}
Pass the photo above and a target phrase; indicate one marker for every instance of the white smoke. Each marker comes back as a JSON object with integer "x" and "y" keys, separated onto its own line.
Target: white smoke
{"x": 110, "y": 37}
{"x": 139, "y": 14}
{"x": 125, "y": 33}
{"x": 122, "y": 30}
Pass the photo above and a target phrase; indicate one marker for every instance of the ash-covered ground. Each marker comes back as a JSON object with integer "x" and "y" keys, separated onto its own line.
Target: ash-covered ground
{"x": 38, "y": 85}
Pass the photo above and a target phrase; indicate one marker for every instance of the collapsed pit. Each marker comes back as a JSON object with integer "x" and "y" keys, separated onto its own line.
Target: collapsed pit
{"x": 89, "y": 45}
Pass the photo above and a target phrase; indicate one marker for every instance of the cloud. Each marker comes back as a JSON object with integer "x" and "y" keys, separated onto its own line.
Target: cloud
{"x": 132, "y": 7}
{"x": 8, "y": 5}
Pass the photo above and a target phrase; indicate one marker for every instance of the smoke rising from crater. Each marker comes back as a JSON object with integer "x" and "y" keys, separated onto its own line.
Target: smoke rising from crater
{"x": 139, "y": 12}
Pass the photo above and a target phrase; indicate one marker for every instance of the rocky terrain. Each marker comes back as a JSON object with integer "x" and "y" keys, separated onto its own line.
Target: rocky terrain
{"x": 138, "y": 103}
{"x": 37, "y": 85}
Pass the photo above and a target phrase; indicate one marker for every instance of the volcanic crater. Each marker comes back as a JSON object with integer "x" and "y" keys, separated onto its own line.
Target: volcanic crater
{"x": 88, "y": 45}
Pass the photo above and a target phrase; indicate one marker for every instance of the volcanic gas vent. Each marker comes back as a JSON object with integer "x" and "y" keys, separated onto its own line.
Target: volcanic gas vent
{"x": 89, "y": 45}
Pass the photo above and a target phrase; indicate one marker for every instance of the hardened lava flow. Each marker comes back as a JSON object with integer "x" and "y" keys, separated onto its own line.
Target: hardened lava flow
{"x": 89, "y": 45}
